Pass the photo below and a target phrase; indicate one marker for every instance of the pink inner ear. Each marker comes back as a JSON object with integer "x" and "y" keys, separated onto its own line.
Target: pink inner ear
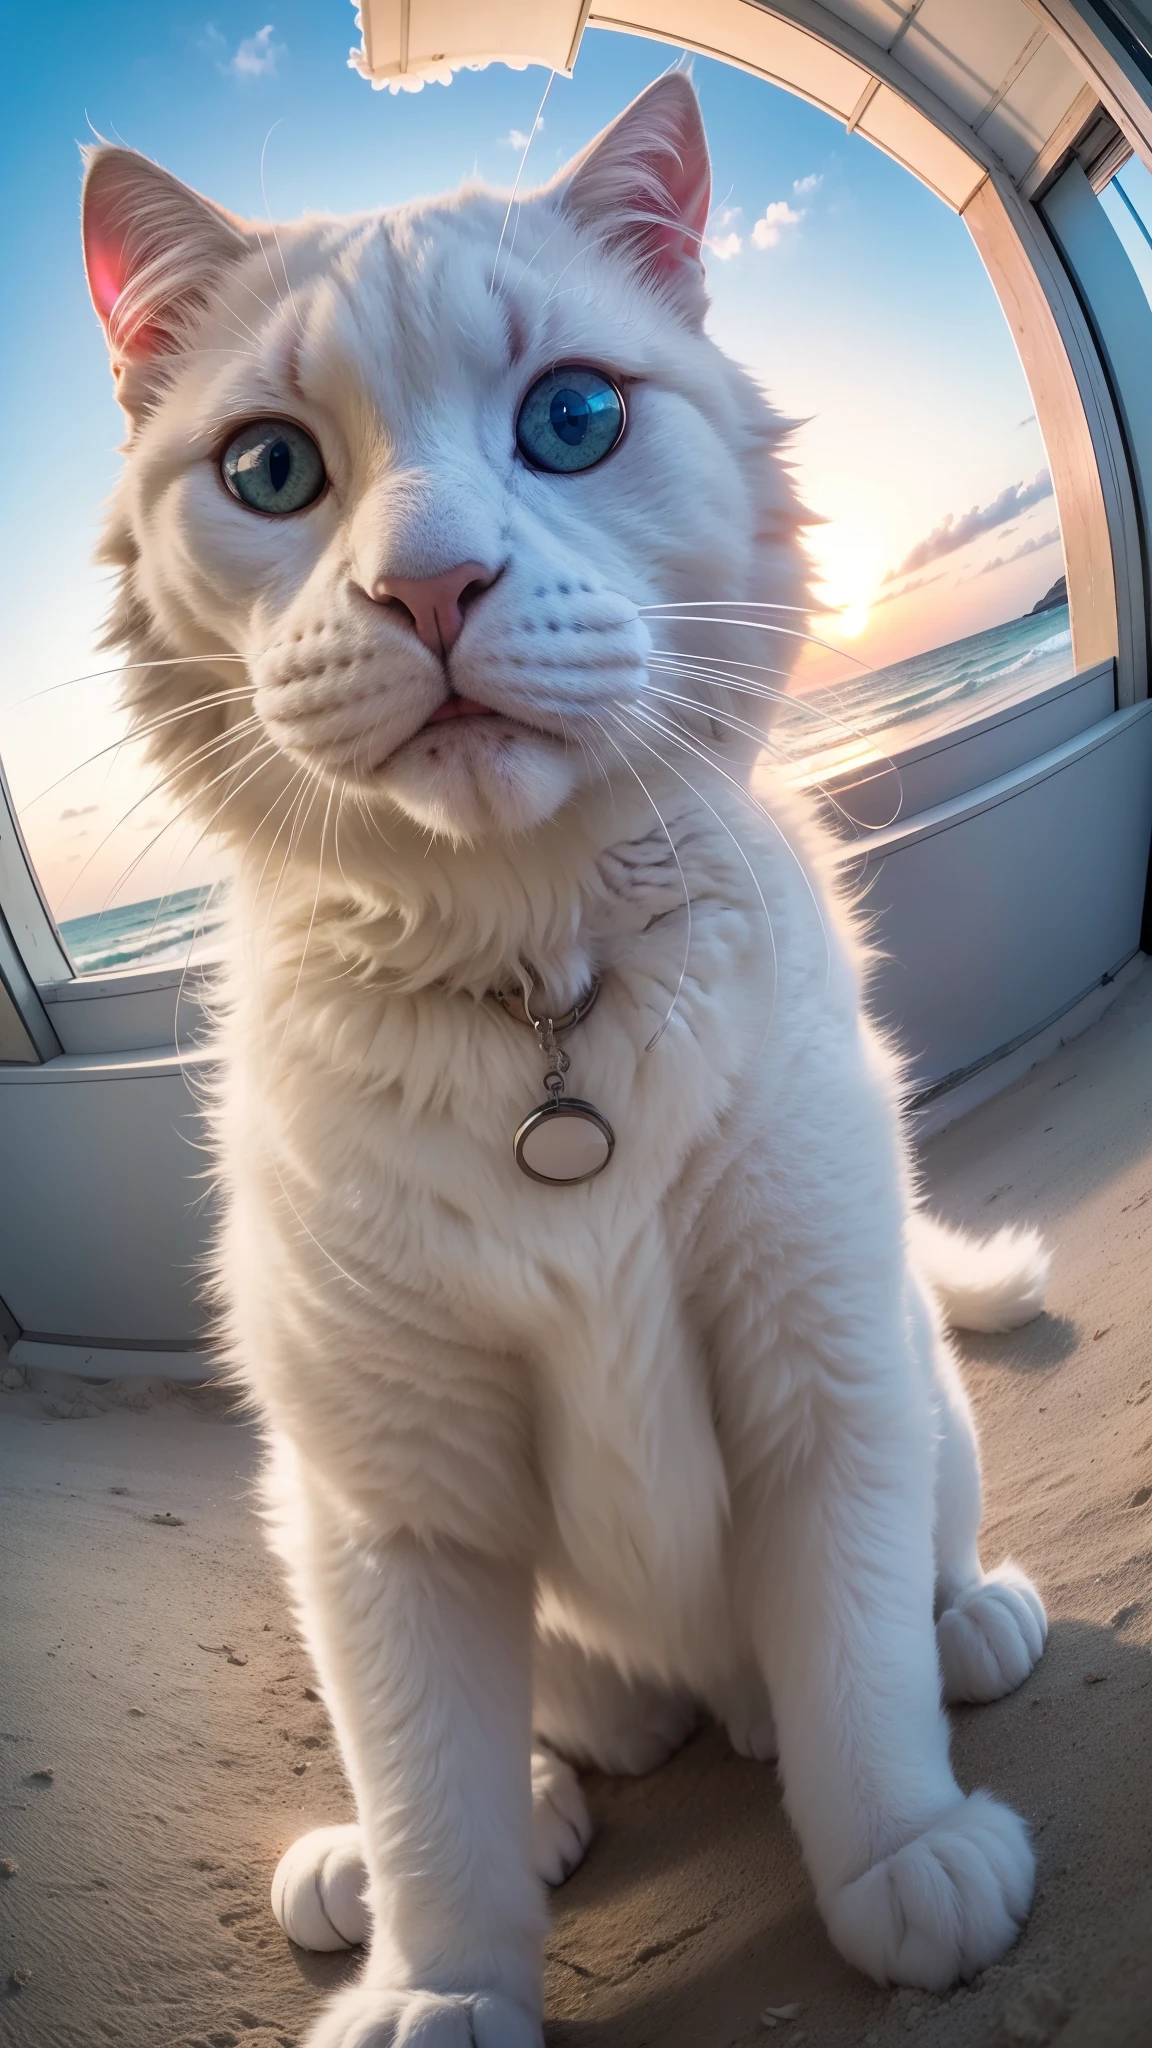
{"x": 645, "y": 184}
{"x": 691, "y": 193}
{"x": 104, "y": 261}
{"x": 686, "y": 181}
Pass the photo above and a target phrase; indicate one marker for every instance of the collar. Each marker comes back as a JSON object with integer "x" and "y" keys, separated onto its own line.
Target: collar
{"x": 522, "y": 1006}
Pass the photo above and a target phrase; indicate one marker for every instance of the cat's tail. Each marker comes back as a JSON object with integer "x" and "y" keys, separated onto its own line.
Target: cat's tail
{"x": 982, "y": 1283}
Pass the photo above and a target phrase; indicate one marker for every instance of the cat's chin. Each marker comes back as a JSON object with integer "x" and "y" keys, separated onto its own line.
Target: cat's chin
{"x": 475, "y": 779}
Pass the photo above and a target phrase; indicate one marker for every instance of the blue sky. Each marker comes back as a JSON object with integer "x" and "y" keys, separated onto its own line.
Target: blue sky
{"x": 859, "y": 302}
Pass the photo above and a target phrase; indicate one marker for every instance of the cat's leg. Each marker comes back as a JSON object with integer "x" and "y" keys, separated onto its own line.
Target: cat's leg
{"x": 561, "y": 1822}
{"x": 584, "y": 1707}
{"x": 425, "y": 1655}
{"x": 319, "y": 1887}
{"x": 741, "y": 1702}
{"x": 918, "y": 1883}
{"x": 991, "y": 1626}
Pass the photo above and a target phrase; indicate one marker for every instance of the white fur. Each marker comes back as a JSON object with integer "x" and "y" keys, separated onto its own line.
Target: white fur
{"x": 991, "y": 1283}
{"x": 681, "y": 1434}
{"x": 318, "y": 1889}
{"x": 319, "y": 1883}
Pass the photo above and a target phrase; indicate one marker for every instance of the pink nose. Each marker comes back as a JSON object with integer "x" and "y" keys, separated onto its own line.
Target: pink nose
{"x": 436, "y": 604}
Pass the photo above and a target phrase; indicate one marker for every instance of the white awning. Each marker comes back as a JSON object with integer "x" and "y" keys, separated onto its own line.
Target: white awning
{"x": 950, "y": 88}
{"x": 407, "y": 43}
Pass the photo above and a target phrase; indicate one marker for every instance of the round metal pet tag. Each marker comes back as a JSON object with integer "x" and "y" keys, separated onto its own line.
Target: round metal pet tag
{"x": 564, "y": 1141}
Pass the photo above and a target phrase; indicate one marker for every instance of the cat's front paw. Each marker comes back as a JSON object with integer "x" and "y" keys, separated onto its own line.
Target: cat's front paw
{"x": 319, "y": 1883}
{"x": 561, "y": 1822}
{"x": 742, "y": 1703}
{"x": 370, "y": 2015}
{"x": 991, "y": 1637}
{"x": 945, "y": 1905}
{"x": 318, "y": 1887}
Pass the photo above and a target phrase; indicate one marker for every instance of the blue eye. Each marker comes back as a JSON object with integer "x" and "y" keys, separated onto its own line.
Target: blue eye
{"x": 273, "y": 466}
{"x": 571, "y": 419}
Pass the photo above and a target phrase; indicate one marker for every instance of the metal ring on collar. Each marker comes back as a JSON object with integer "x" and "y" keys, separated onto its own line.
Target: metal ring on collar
{"x": 515, "y": 1002}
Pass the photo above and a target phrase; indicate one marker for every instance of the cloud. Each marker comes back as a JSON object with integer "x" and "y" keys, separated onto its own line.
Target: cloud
{"x": 777, "y": 215}
{"x": 953, "y": 533}
{"x": 85, "y": 811}
{"x": 1028, "y": 547}
{"x": 516, "y": 138}
{"x": 724, "y": 241}
{"x": 256, "y": 57}
{"x": 803, "y": 188}
{"x": 921, "y": 582}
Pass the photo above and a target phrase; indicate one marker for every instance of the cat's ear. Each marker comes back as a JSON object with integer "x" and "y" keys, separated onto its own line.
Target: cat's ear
{"x": 153, "y": 249}
{"x": 644, "y": 186}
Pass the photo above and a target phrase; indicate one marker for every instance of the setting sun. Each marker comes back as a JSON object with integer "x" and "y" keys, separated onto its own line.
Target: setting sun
{"x": 849, "y": 566}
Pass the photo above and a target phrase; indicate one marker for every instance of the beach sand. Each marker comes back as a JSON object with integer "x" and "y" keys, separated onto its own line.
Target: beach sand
{"x": 162, "y": 1743}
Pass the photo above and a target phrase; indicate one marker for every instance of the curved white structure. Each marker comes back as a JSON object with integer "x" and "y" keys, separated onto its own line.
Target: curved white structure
{"x": 1012, "y": 889}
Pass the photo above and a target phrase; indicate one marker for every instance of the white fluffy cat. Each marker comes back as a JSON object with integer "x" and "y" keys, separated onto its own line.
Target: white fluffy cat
{"x": 402, "y": 498}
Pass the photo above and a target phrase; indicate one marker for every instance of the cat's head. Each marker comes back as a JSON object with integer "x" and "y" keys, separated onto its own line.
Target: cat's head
{"x": 405, "y": 482}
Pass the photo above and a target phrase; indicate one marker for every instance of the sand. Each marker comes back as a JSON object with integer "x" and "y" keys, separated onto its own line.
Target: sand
{"x": 151, "y": 1667}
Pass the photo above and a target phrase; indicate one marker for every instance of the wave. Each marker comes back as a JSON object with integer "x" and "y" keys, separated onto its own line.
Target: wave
{"x": 1058, "y": 643}
{"x": 164, "y": 931}
{"x": 927, "y": 689}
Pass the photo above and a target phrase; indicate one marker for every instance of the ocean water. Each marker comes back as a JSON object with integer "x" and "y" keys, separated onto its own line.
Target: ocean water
{"x": 824, "y": 731}
{"x": 163, "y": 932}
{"x": 945, "y": 687}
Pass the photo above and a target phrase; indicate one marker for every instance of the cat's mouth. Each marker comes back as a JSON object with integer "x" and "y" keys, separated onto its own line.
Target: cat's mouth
{"x": 472, "y": 768}
{"x": 459, "y": 707}
{"x": 466, "y": 715}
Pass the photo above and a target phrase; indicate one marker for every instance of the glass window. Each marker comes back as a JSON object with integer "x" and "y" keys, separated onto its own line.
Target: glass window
{"x": 852, "y": 293}
{"x": 1127, "y": 200}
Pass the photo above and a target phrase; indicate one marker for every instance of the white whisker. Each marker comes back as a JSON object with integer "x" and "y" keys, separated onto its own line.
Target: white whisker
{"x": 299, "y": 821}
{"x": 266, "y": 748}
{"x": 733, "y": 603}
{"x": 293, "y": 814}
{"x": 312, "y": 919}
{"x": 276, "y": 237}
{"x": 121, "y": 668}
{"x": 140, "y": 732}
{"x": 652, "y": 719}
{"x": 336, "y": 837}
{"x": 722, "y": 663}
{"x": 254, "y": 754}
{"x": 206, "y": 752}
{"x": 715, "y": 677}
{"x": 723, "y": 823}
{"x": 740, "y": 726}
{"x": 633, "y": 770}
{"x": 249, "y": 333}
{"x": 516, "y": 187}
{"x": 768, "y": 626}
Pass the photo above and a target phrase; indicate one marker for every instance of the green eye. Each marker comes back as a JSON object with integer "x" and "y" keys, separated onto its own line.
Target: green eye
{"x": 273, "y": 466}
{"x": 571, "y": 419}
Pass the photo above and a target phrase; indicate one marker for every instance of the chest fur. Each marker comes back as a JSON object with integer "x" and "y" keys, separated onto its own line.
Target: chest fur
{"x": 397, "y": 1148}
